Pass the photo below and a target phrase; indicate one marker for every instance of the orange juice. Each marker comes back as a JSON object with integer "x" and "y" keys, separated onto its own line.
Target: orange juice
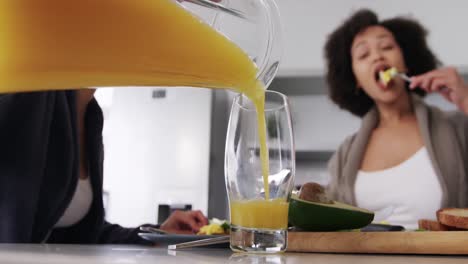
{"x": 69, "y": 44}
{"x": 259, "y": 102}
{"x": 57, "y": 44}
{"x": 268, "y": 214}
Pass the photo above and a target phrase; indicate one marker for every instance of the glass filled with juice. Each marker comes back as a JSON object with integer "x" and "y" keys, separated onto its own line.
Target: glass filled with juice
{"x": 259, "y": 182}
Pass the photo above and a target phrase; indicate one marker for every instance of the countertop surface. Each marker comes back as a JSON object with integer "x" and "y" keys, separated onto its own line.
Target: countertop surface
{"x": 123, "y": 254}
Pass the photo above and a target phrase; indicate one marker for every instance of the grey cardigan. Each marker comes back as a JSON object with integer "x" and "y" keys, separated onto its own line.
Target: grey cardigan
{"x": 445, "y": 136}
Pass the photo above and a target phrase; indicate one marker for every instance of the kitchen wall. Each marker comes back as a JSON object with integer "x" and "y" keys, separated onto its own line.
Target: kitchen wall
{"x": 307, "y": 23}
{"x": 157, "y": 144}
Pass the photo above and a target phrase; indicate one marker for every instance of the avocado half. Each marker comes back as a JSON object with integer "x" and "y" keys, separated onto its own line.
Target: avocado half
{"x": 311, "y": 216}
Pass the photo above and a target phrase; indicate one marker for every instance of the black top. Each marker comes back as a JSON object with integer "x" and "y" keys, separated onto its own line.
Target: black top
{"x": 39, "y": 170}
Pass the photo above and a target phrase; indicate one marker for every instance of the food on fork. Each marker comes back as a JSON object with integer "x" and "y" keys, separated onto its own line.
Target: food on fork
{"x": 386, "y": 76}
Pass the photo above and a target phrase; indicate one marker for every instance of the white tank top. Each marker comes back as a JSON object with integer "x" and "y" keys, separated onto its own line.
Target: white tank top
{"x": 79, "y": 205}
{"x": 402, "y": 194}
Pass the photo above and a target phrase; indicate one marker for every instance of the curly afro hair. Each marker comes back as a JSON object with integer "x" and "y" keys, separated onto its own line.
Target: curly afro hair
{"x": 408, "y": 33}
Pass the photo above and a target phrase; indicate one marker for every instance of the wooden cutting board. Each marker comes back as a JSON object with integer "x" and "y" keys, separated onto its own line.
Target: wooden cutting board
{"x": 425, "y": 242}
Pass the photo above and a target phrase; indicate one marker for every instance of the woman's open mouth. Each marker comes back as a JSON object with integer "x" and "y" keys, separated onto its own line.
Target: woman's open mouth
{"x": 383, "y": 78}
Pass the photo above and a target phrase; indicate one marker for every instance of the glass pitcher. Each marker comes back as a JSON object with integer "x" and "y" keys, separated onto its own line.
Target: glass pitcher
{"x": 58, "y": 45}
{"x": 253, "y": 25}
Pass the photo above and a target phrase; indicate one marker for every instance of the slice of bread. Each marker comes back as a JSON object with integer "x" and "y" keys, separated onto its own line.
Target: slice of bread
{"x": 454, "y": 217}
{"x": 433, "y": 225}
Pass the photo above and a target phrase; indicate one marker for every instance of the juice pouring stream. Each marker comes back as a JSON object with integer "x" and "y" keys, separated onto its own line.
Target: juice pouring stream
{"x": 61, "y": 45}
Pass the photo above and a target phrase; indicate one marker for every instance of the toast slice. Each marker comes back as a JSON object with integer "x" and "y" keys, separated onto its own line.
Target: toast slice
{"x": 433, "y": 225}
{"x": 453, "y": 217}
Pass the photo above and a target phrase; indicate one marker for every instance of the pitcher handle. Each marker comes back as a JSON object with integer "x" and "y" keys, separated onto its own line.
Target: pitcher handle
{"x": 212, "y": 4}
{"x": 274, "y": 51}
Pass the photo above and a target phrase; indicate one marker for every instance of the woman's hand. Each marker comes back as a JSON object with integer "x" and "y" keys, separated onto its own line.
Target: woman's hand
{"x": 184, "y": 222}
{"x": 447, "y": 82}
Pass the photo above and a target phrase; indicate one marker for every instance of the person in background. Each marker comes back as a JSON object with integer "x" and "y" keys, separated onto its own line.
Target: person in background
{"x": 408, "y": 159}
{"x": 51, "y": 173}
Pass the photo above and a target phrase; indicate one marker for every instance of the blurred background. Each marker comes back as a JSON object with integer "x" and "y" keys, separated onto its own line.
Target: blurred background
{"x": 164, "y": 148}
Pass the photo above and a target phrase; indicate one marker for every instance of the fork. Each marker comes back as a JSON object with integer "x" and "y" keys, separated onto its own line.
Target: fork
{"x": 200, "y": 243}
{"x": 403, "y": 76}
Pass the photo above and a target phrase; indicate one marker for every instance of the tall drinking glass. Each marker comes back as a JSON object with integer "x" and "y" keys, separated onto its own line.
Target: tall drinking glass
{"x": 259, "y": 203}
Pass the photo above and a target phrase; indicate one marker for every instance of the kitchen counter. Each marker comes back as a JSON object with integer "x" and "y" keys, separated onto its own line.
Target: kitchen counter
{"x": 123, "y": 254}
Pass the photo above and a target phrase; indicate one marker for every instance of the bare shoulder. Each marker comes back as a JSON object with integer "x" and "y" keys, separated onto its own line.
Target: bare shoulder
{"x": 389, "y": 147}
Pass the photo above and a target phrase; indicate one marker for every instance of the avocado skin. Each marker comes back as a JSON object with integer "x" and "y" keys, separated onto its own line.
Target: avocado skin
{"x": 310, "y": 216}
